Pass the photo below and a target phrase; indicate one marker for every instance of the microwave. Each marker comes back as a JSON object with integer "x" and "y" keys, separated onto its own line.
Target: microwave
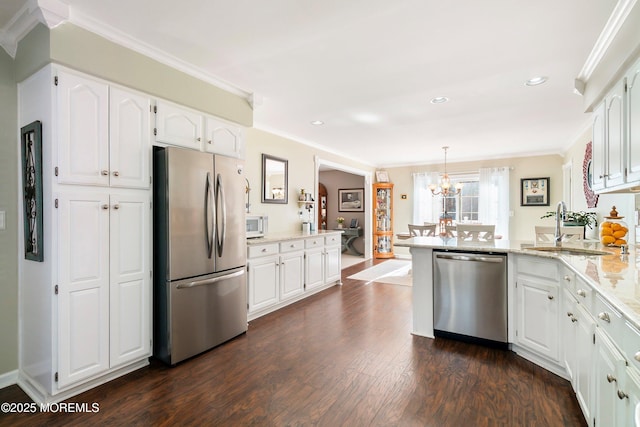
{"x": 256, "y": 225}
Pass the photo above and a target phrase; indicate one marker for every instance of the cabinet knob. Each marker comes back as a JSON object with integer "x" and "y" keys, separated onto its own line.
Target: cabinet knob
{"x": 105, "y": 207}
{"x": 550, "y": 297}
{"x": 116, "y": 206}
{"x": 611, "y": 378}
{"x": 573, "y": 319}
{"x": 209, "y": 142}
{"x": 582, "y": 293}
{"x": 622, "y": 395}
{"x": 567, "y": 278}
{"x": 637, "y": 356}
{"x": 104, "y": 172}
{"x": 605, "y": 317}
{"x": 198, "y": 139}
{"x": 116, "y": 173}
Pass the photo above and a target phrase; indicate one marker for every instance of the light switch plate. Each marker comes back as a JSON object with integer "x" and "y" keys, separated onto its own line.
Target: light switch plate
{"x": 2, "y": 221}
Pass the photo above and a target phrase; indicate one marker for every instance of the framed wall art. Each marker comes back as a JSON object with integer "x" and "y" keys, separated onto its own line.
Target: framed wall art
{"x": 31, "y": 146}
{"x": 534, "y": 192}
{"x": 351, "y": 200}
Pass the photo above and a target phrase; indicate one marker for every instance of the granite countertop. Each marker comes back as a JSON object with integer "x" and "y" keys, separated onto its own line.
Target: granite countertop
{"x": 616, "y": 277}
{"x": 289, "y": 235}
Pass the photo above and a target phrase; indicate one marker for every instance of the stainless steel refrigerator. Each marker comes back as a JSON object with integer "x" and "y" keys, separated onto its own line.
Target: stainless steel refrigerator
{"x": 200, "y": 292}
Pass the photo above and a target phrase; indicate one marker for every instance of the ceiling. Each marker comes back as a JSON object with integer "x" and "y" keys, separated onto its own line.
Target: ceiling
{"x": 369, "y": 68}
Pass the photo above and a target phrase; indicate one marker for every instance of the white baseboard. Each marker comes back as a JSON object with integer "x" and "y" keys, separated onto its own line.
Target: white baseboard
{"x": 9, "y": 378}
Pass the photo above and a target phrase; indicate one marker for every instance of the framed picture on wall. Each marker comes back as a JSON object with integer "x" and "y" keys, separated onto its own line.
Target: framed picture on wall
{"x": 351, "y": 200}
{"x": 534, "y": 192}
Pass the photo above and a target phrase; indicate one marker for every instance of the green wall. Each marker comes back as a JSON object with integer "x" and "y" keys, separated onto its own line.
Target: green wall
{"x": 9, "y": 204}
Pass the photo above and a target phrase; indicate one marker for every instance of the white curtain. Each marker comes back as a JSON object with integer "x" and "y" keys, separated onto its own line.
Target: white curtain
{"x": 426, "y": 208}
{"x": 493, "y": 200}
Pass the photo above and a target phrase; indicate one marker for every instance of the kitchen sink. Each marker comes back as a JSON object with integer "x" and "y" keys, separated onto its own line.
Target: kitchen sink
{"x": 568, "y": 250}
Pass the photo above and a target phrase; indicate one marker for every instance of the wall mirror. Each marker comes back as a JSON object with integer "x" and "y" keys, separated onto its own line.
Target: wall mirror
{"x": 274, "y": 179}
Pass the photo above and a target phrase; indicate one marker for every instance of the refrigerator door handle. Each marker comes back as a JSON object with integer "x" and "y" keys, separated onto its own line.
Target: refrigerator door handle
{"x": 223, "y": 205}
{"x": 210, "y": 281}
{"x": 207, "y": 211}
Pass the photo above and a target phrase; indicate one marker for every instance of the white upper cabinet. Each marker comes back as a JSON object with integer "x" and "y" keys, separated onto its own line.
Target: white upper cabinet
{"x": 103, "y": 134}
{"x": 633, "y": 123}
{"x": 223, "y": 138}
{"x": 83, "y": 133}
{"x": 181, "y": 126}
{"x": 616, "y": 136}
{"x": 178, "y": 125}
{"x": 130, "y": 139}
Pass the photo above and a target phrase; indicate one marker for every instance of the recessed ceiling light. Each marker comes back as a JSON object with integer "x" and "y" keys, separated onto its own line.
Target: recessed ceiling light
{"x": 535, "y": 81}
{"x": 439, "y": 100}
{"x": 317, "y": 122}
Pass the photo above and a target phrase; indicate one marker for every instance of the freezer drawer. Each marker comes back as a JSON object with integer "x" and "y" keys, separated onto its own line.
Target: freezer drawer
{"x": 201, "y": 314}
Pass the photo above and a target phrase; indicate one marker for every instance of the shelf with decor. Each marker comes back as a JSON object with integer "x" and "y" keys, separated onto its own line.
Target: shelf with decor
{"x": 383, "y": 220}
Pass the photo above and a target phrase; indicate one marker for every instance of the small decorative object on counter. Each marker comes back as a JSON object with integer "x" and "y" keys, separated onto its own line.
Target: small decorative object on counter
{"x": 301, "y": 197}
{"x": 340, "y": 221}
{"x": 613, "y": 230}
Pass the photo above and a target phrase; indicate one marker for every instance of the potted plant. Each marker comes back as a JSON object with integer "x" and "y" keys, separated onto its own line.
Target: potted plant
{"x": 571, "y": 218}
{"x": 340, "y": 221}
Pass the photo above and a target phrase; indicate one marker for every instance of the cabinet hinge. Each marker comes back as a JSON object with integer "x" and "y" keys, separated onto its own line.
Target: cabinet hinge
{"x": 55, "y": 289}
{"x": 55, "y": 80}
{"x": 55, "y": 377}
{"x": 594, "y": 338}
{"x": 56, "y": 203}
{"x": 155, "y": 109}
{"x": 55, "y": 171}
{"x": 155, "y": 131}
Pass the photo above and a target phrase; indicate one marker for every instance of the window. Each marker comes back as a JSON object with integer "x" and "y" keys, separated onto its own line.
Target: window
{"x": 463, "y": 206}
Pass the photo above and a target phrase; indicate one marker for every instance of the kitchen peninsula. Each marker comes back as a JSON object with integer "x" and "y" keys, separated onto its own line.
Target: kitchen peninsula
{"x": 573, "y": 313}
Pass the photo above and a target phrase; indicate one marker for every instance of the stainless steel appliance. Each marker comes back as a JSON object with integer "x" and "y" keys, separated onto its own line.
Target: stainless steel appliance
{"x": 200, "y": 292}
{"x": 256, "y": 225}
{"x": 470, "y": 296}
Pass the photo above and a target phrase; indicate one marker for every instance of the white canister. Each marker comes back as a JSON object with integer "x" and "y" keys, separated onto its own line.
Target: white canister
{"x": 306, "y": 228}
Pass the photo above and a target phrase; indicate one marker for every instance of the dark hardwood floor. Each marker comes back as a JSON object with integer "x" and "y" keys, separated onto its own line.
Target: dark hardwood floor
{"x": 342, "y": 357}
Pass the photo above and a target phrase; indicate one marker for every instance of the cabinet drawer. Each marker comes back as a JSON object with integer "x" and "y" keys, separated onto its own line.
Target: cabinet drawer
{"x": 631, "y": 344}
{"x": 316, "y": 242}
{"x": 262, "y": 250}
{"x": 585, "y": 295}
{"x": 609, "y": 319}
{"x": 538, "y": 267}
{"x": 332, "y": 240}
{"x": 291, "y": 245}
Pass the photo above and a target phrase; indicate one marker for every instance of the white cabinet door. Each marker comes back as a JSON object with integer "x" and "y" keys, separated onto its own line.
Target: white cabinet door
{"x": 178, "y": 126}
{"x": 314, "y": 268}
{"x": 129, "y": 139}
{"x": 630, "y": 395}
{"x": 130, "y": 281}
{"x": 223, "y": 138}
{"x": 538, "y": 317}
{"x": 599, "y": 148}
{"x": 263, "y": 282}
{"x": 291, "y": 274}
{"x": 585, "y": 349}
{"x": 614, "y": 130}
{"x": 633, "y": 123}
{"x": 608, "y": 375}
{"x": 569, "y": 331}
{"x": 83, "y": 133}
{"x": 332, "y": 263}
{"x": 83, "y": 282}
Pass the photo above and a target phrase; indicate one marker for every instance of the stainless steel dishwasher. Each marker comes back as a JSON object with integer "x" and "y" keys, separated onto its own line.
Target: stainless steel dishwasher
{"x": 470, "y": 296}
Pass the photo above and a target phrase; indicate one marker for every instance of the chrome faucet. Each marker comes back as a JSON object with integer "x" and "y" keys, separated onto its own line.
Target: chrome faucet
{"x": 561, "y": 211}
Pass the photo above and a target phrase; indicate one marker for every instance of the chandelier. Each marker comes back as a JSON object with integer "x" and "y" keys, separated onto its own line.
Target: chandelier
{"x": 445, "y": 182}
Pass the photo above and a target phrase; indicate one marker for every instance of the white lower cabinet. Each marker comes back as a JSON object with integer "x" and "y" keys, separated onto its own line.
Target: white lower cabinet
{"x": 281, "y": 273}
{"x": 584, "y": 361}
{"x": 104, "y": 290}
{"x": 609, "y": 375}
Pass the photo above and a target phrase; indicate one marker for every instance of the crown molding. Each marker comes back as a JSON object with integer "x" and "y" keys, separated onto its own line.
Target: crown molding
{"x": 112, "y": 34}
{"x": 615, "y": 22}
{"x": 48, "y": 12}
